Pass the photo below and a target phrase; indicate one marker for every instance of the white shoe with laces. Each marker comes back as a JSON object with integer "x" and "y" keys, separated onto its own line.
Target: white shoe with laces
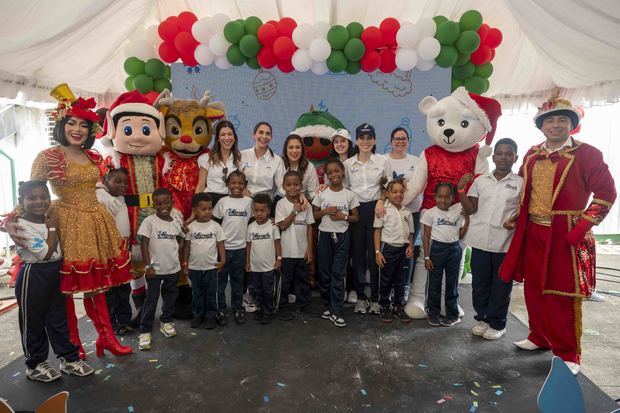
{"x": 145, "y": 341}
{"x": 375, "y": 308}
{"x": 480, "y": 328}
{"x": 43, "y": 372}
{"x": 493, "y": 334}
{"x": 596, "y": 297}
{"x": 352, "y": 298}
{"x": 76, "y": 368}
{"x": 168, "y": 330}
{"x": 526, "y": 345}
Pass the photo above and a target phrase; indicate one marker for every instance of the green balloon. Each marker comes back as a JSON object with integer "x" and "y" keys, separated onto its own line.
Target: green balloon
{"x": 353, "y": 68}
{"x": 253, "y": 63}
{"x": 234, "y": 55}
{"x": 143, "y": 83}
{"x": 475, "y": 84}
{"x": 456, "y": 83}
{"x": 470, "y": 20}
{"x": 155, "y": 68}
{"x": 337, "y": 37}
{"x": 234, "y": 31}
{"x": 487, "y": 84}
{"x": 336, "y": 62}
{"x": 447, "y": 32}
{"x": 129, "y": 83}
{"x": 354, "y": 50}
{"x": 447, "y": 56}
{"x": 252, "y": 24}
{"x": 468, "y": 41}
{"x": 462, "y": 59}
{"x": 249, "y": 45}
{"x": 134, "y": 66}
{"x": 464, "y": 71}
{"x": 439, "y": 19}
{"x": 484, "y": 71}
{"x": 168, "y": 72}
{"x": 160, "y": 84}
{"x": 355, "y": 30}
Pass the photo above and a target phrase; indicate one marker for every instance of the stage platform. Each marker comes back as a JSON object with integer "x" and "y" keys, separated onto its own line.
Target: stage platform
{"x": 309, "y": 365}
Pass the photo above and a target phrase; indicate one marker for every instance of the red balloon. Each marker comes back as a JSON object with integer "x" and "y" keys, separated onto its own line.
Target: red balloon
{"x": 168, "y": 52}
{"x": 492, "y": 54}
{"x": 372, "y": 38}
{"x": 185, "y": 42}
{"x": 481, "y": 56}
{"x": 483, "y": 31}
{"x": 371, "y": 61}
{"x": 267, "y": 34}
{"x": 494, "y": 38}
{"x": 286, "y": 25}
{"x": 168, "y": 30}
{"x": 285, "y": 66}
{"x": 186, "y": 20}
{"x": 272, "y": 22}
{"x": 283, "y": 48}
{"x": 389, "y": 27}
{"x": 388, "y": 61}
{"x": 188, "y": 59}
{"x": 266, "y": 58}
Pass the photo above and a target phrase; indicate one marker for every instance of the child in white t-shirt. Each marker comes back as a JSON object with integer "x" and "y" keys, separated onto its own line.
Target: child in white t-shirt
{"x": 296, "y": 234}
{"x": 263, "y": 257}
{"x": 203, "y": 243}
{"x": 234, "y": 211}
{"x": 444, "y": 225}
{"x": 335, "y": 207}
{"x": 111, "y": 196}
{"x": 162, "y": 238}
{"x": 42, "y": 312}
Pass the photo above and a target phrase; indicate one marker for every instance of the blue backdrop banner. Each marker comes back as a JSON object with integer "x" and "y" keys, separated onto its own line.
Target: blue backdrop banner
{"x": 385, "y": 100}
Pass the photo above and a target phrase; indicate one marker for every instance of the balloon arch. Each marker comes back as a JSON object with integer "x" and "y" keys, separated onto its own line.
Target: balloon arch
{"x": 467, "y": 46}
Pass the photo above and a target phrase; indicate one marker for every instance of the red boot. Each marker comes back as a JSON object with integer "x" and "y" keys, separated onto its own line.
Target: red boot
{"x": 74, "y": 335}
{"x": 97, "y": 310}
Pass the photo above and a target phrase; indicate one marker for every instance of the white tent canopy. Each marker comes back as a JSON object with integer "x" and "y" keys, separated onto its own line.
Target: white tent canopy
{"x": 548, "y": 44}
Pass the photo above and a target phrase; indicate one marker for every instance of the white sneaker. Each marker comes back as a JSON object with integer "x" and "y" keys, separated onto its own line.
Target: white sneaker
{"x": 493, "y": 334}
{"x": 168, "y": 330}
{"x": 248, "y": 303}
{"x": 526, "y": 345}
{"x": 337, "y": 320}
{"x": 480, "y": 328}
{"x": 573, "y": 367}
{"x": 375, "y": 308}
{"x": 352, "y": 298}
{"x": 145, "y": 341}
{"x": 596, "y": 297}
{"x": 43, "y": 372}
{"x": 76, "y": 368}
{"x": 291, "y": 298}
{"x": 361, "y": 307}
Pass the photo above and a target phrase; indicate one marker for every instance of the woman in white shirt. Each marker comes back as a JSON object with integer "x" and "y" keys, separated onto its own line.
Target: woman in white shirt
{"x": 294, "y": 158}
{"x": 263, "y": 169}
{"x": 216, "y": 165}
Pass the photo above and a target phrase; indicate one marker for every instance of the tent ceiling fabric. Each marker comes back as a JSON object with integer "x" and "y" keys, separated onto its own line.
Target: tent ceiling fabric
{"x": 547, "y": 43}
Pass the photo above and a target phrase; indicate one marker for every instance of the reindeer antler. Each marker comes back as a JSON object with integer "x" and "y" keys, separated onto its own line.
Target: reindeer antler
{"x": 164, "y": 99}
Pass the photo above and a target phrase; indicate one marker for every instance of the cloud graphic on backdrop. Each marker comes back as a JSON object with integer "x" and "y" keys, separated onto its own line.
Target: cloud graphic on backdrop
{"x": 396, "y": 84}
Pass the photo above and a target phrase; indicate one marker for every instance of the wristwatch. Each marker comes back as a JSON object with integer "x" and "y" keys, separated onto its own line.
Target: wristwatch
{"x": 278, "y": 258}
{"x": 377, "y": 251}
{"x": 295, "y": 212}
{"x": 427, "y": 258}
{"x": 51, "y": 229}
{"x": 346, "y": 217}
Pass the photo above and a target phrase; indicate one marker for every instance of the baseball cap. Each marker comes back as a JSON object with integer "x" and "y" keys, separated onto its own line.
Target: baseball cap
{"x": 364, "y": 128}
{"x": 341, "y": 132}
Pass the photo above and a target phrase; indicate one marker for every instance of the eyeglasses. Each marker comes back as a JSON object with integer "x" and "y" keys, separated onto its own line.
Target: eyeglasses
{"x": 400, "y": 139}
{"x": 225, "y": 174}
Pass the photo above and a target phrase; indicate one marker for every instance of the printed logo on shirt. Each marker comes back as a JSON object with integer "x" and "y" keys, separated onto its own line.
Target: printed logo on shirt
{"x": 342, "y": 208}
{"x": 300, "y": 221}
{"x": 203, "y": 235}
{"x": 232, "y": 212}
{"x": 445, "y": 221}
{"x": 513, "y": 187}
{"x": 256, "y": 236}
{"x": 396, "y": 176}
{"x": 38, "y": 243}
{"x": 165, "y": 235}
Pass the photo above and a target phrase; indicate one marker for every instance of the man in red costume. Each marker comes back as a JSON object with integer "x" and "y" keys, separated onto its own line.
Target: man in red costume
{"x": 553, "y": 249}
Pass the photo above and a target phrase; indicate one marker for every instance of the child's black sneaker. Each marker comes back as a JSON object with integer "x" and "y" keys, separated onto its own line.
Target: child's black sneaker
{"x": 434, "y": 320}
{"x": 399, "y": 313}
{"x": 449, "y": 322}
{"x": 285, "y": 315}
{"x": 386, "y": 315}
{"x": 240, "y": 316}
{"x": 221, "y": 319}
{"x": 258, "y": 315}
{"x": 308, "y": 311}
{"x": 266, "y": 318}
{"x": 196, "y": 322}
{"x": 211, "y": 323}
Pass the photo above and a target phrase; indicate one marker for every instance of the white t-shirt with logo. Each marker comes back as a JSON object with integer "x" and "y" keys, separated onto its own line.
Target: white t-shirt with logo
{"x": 295, "y": 237}
{"x": 403, "y": 169}
{"x": 163, "y": 244}
{"x": 235, "y": 214}
{"x": 444, "y": 225}
{"x": 345, "y": 200}
{"x": 263, "y": 248}
{"x": 36, "y": 245}
{"x": 203, "y": 237}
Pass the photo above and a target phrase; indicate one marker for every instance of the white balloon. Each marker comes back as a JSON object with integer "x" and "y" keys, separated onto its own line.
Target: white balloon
{"x": 319, "y": 68}
{"x": 218, "y": 21}
{"x": 141, "y": 49}
{"x": 222, "y": 62}
{"x": 152, "y": 36}
{"x": 203, "y": 55}
{"x": 320, "y": 50}
{"x": 320, "y": 29}
{"x": 427, "y": 27}
{"x": 218, "y": 44}
{"x": 408, "y": 36}
{"x": 138, "y": 34}
{"x": 303, "y": 36}
{"x": 202, "y": 30}
{"x": 425, "y": 65}
{"x": 301, "y": 60}
{"x": 406, "y": 59}
{"x": 429, "y": 48}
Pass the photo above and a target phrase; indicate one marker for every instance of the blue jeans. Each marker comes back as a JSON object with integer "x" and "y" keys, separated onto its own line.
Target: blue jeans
{"x": 204, "y": 293}
{"x": 235, "y": 270}
{"x": 445, "y": 256}
{"x": 490, "y": 295}
{"x": 333, "y": 253}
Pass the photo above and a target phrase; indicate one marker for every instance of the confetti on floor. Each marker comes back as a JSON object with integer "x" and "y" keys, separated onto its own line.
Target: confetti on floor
{"x": 475, "y": 403}
{"x": 98, "y": 371}
{"x": 281, "y": 384}
{"x": 266, "y": 398}
{"x": 496, "y": 386}
{"x": 498, "y": 392}
{"x": 422, "y": 366}
{"x": 158, "y": 366}
{"x": 476, "y": 384}
{"x": 109, "y": 365}
{"x": 457, "y": 385}
{"x": 441, "y": 401}
{"x": 364, "y": 392}
{"x": 107, "y": 378}
{"x": 153, "y": 360}
{"x": 130, "y": 409}
{"x": 17, "y": 374}
{"x": 448, "y": 397}
{"x": 89, "y": 353}
{"x": 192, "y": 333}
{"x": 472, "y": 409}
{"x": 473, "y": 392}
